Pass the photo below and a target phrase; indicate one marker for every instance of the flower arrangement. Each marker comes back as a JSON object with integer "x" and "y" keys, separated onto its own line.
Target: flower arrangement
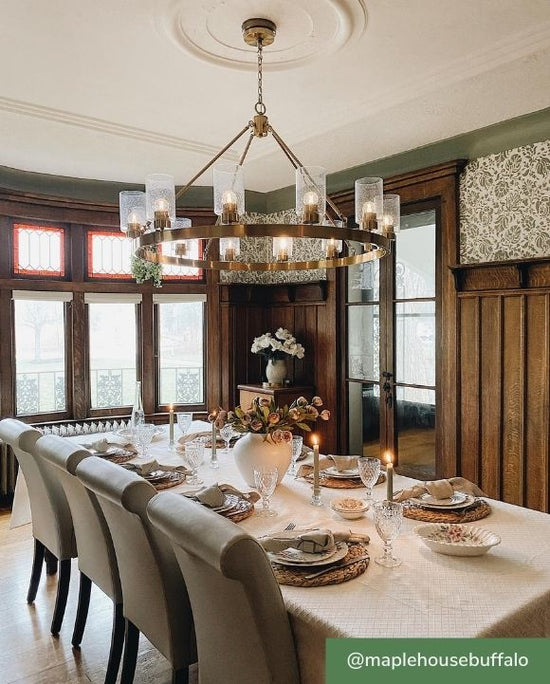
{"x": 277, "y": 346}
{"x": 265, "y": 417}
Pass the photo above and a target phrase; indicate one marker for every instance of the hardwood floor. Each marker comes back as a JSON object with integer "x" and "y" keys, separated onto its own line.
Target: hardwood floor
{"x": 29, "y": 654}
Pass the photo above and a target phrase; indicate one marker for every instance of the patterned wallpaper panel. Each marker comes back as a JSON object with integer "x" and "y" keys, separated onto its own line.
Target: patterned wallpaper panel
{"x": 505, "y": 205}
{"x": 254, "y": 248}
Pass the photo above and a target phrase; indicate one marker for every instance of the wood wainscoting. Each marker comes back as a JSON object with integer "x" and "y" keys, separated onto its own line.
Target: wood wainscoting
{"x": 504, "y": 379}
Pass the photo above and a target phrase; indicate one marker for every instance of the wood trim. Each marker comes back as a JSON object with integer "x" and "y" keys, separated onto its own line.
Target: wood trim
{"x": 274, "y": 294}
{"x": 7, "y": 361}
{"x": 502, "y": 275}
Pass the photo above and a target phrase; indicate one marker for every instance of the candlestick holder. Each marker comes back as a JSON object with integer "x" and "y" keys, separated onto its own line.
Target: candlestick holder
{"x": 316, "y": 497}
{"x": 214, "y": 463}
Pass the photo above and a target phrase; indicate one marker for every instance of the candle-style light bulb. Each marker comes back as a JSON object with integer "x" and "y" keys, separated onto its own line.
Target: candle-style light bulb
{"x": 368, "y": 221}
{"x": 134, "y": 225}
{"x": 311, "y": 207}
{"x": 161, "y": 216}
{"x": 230, "y": 251}
{"x": 282, "y": 254}
{"x": 229, "y": 207}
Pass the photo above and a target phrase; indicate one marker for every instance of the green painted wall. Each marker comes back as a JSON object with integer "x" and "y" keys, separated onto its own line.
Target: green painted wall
{"x": 522, "y": 130}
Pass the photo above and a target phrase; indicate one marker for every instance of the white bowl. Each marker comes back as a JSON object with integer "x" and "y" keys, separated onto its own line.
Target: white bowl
{"x": 457, "y": 540}
{"x": 349, "y": 507}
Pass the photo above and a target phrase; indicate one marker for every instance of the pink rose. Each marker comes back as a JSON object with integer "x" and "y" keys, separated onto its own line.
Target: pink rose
{"x": 278, "y": 436}
{"x": 257, "y": 425}
{"x": 301, "y": 401}
{"x": 325, "y": 415}
{"x": 273, "y": 418}
{"x": 317, "y": 401}
{"x": 294, "y": 414}
{"x": 312, "y": 411}
{"x": 287, "y": 436}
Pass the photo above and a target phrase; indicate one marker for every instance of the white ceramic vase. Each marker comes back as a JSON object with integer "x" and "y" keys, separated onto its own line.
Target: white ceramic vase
{"x": 276, "y": 371}
{"x": 253, "y": 450}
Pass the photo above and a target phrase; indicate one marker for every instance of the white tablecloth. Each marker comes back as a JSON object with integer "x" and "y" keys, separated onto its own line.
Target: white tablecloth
{"x": 505, "y": 593}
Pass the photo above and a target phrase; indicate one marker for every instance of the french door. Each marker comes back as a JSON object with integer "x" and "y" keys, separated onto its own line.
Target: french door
{"x": 392, "y": 336}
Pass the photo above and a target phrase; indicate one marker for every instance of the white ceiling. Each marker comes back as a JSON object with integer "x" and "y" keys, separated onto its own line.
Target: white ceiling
{"x": 116, "y": 89}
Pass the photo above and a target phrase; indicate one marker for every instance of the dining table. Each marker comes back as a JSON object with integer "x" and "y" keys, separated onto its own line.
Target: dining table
{"x": 504, "y": 593}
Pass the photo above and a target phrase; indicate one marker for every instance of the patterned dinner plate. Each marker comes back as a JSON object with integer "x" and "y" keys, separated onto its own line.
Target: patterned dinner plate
{"x": 456, "y": 501}
{"x": 301, "y": 558}
{"x": 332, "y": 471}
{"x": 158, "y": 475}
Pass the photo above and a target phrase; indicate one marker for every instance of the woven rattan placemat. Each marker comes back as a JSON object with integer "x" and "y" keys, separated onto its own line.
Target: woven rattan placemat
{"x": 124, "y": 456}
{"x": 295, "y": 577}
{"x": 174, "y": 479}
{"x": 339, "y": 482}
{"x": 478, "y": 510}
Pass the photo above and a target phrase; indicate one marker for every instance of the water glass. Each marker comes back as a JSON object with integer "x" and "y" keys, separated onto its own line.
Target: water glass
{"x": 193, "y": 458}
{"x": 226, "y": 433}
{"x": 144, "y": 434}
{"x": 388, "y": 518}
{"x": 184, "y": 420}
{"x": 297, "y": 446}
{"x": 265, "y": 478}
{"x": 369, "y": 471}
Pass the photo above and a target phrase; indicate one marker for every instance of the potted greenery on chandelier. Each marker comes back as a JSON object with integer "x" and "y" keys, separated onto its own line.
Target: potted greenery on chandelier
{"x": 277, "y": 349}
{"x": 267, "y": 432}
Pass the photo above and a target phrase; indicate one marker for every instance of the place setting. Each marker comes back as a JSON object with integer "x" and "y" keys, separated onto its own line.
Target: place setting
{"x": 113, "y": 448}
{"x": 454, "y": 500}
{"x": 316, "y": 557}
{"x": 345, "y": 472}
{"x": 226, "y": 500}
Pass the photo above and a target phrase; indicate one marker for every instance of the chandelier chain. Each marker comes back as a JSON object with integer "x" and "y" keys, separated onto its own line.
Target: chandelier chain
{"x": 260, "y": 106}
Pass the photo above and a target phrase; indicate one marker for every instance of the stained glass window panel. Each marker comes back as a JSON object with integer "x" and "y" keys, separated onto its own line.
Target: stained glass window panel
{"x": 109, "y": 255}
{"x": 38, "y": 250}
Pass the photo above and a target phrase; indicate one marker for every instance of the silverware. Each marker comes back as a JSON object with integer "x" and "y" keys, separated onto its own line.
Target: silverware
{"x": 335, "y": 567}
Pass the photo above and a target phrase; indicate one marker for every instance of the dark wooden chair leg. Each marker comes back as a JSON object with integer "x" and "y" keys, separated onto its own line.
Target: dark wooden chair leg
{"x": 180, "y": 676}
{"x": 51, "y": 562}
{"x": 117, "y": 642}
{"x": 61, "y": 598}
{"x": 82, "y": 610}
{"x": 131, "y": 643}
{"x": 37, "y": 561}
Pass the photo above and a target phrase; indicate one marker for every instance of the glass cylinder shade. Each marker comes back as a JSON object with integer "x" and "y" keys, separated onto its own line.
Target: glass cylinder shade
{"x": 282, "y": 248}
{"x": 228, "y": 192}
{"x": 161, "y": 200}
{"x": 184, "y": 248}
{"x": 368, "y": 202}
{"x": 311, "y": 193}
{"x": 391, "y": 217}
{"x": 230, "y": 248}
{"x": 132, "y": 212}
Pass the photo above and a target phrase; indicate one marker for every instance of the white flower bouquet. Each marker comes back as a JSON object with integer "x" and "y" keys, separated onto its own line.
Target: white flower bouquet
{"x": 277, "y": 346}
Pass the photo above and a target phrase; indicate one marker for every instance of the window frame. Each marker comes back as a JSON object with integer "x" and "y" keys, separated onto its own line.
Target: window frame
{"x": 156, "y": 342}
{"x": 88, "y": 261}
{"x": 65, "y": 250}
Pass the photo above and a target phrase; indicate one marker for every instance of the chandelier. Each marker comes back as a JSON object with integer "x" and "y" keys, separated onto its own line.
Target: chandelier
{"x": 149, "y": 218}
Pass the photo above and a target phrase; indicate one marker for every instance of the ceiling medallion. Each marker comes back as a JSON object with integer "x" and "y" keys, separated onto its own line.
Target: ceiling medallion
{"x": 149, "y": 218}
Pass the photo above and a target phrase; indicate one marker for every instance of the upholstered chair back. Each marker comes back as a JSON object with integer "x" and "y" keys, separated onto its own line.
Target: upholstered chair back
{"x": 52, "y": 523}
{"x": 242, "y": 626}
{"x": 96, "y": 554}
{"x": 154, "y": 594}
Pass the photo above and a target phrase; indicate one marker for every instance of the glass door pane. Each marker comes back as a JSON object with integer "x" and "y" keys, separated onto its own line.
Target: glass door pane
{"x": 364, "y": 418}
{"x": 415, "y": 423}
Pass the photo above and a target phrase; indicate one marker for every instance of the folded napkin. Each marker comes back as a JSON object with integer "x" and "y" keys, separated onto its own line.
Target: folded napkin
{"x": 440, "y": 489}
{"x": 145, "y": 469}
{"x": 214, "y": 495}
{"x": 307, "y": 468}
{"x": 309, "y": 541}
{"x": 100, "y": 445}
{"x": 118, "y": 440}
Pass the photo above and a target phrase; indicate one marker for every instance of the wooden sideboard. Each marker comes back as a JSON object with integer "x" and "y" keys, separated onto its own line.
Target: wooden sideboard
{"x": 282, "y": 395}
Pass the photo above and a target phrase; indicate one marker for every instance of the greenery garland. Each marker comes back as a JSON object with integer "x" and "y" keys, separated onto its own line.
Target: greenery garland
{"x": 143, "y": 270}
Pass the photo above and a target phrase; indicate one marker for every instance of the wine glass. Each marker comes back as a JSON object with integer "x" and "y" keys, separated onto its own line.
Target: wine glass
{"x": 145, "y": 433}
{"x": 193, "y": 458}
{"x": 297, "y": 446}
{"x": 369, "y": 471}
{"x": 388, "y": 517}
{"x": 265, "y": 478}
{"x": 226, "y": 433}
{"x": 184, "y": 420}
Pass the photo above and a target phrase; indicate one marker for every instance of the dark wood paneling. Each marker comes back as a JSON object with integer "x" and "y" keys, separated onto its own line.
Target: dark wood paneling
{"x": 469, "y": 396}
{"x": 502, "y": 275}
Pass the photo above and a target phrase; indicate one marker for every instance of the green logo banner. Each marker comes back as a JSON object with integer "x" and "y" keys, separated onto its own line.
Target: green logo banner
{"x": 433, "y": 661}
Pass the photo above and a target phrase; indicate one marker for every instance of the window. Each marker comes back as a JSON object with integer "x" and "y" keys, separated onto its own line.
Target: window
{"x": 109, "y": 255}
{"x": 38, "y": 250}
{"x": 40, "y": 351}
{"x": 113, "y": 350}
{"x": 180, "y": 348}
{"x": 172, "y": 272}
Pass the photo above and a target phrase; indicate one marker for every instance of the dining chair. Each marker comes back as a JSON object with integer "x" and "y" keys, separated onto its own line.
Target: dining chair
{"x": 154, "y": 596}
{"x": 242, "y": 626}
{"x": 96, "y": 555}
{"x": 52, "y": 524}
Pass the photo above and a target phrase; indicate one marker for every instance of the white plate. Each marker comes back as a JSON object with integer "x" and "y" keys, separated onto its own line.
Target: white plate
{"x": 300, "y": 558}
{"x": 457, "y": 540}
{"x": 461, "y": 501}
{"x": 331, "y": 471}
